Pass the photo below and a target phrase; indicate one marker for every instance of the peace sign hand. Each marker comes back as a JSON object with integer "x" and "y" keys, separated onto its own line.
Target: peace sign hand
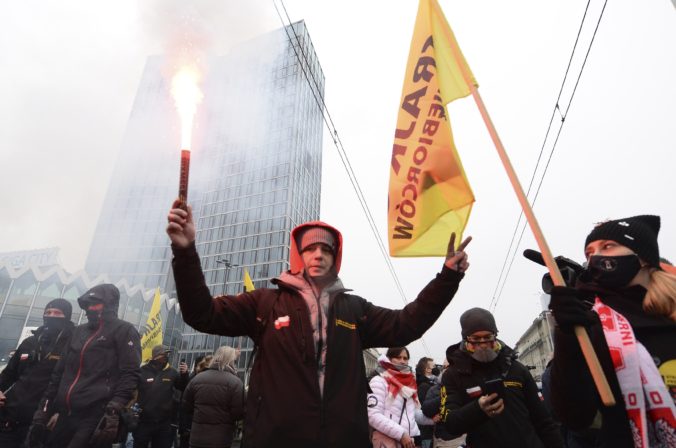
{"x": 457, "y": 259}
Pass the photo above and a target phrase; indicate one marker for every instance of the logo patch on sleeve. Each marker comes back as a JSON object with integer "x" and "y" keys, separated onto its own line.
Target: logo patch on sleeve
{"x": 348, "y": 325}
{"x": 474, "y": 391}
{"x": 282, "y": 322}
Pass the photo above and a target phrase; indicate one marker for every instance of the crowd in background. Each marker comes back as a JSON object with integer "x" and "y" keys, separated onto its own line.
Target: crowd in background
{"x": 83, "y": 386}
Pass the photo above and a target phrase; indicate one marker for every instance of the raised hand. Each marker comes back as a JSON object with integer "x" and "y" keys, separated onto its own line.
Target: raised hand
{"x": 181, "y": 228}
{"x": 457, "y": 259}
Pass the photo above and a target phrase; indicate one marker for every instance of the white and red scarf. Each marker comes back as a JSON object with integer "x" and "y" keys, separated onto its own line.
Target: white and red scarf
{"x": 400, "y": 380}
{"x": 650, "y": 408}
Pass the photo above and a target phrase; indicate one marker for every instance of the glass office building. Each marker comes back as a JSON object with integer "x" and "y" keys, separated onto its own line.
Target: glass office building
{"x": 25, "y": 290}
{"x": 255, "y": 174}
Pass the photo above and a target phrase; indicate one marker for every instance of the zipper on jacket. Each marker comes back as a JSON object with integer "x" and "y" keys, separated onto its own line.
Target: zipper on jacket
{"x": 79, "y": 370}
{"x": 302, "y": 334}
{"x": 320, "y": 328}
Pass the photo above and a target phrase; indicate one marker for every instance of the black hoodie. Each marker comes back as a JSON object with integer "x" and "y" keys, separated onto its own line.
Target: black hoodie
{"x": 524, "y": 421}
{"x": 27, "y": 373}
{"x": 102, "y": 363}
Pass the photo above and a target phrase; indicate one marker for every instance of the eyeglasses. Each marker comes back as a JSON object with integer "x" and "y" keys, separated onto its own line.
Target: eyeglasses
{"x": 483, "y": 340}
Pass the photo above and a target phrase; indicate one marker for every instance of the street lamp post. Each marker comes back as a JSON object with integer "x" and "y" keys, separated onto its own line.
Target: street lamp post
{"x": 227, "y": 265}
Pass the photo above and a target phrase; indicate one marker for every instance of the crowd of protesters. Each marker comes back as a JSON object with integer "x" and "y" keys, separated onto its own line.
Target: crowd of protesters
{"x": 84, "y": 386}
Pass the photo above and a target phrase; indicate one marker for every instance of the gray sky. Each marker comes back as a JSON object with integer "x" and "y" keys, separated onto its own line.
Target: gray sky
{"x": 70, "y": 70}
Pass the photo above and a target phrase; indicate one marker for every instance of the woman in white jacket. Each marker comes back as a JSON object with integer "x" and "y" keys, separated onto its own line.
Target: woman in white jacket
{"x": 393, "y": 401}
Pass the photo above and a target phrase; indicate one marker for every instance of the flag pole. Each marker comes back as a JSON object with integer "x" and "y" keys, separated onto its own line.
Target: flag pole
{"x": 590, "y": 357}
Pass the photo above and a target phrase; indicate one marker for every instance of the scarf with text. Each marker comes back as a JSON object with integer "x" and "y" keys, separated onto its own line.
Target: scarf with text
{"x": 650, "y": 408}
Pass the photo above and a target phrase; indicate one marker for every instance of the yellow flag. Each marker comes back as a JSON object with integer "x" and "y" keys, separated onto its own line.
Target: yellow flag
{"x": 429, "y": 194}
{"x": 248, "y": 284}
{"x": 152, "y": 332}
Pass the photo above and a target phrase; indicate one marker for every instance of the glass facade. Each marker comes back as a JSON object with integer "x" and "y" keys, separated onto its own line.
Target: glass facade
{"x": 255, "y": 174}
{"x": 24, "y": 293}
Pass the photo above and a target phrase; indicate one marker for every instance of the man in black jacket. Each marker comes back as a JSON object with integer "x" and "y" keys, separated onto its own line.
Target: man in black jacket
{"x": 94, "y": 380}
{"x": 27, "y": 374}
{"x": 514, "y": 416}
{"x": 307, "y": 386}
{"x": 156, "y": 393}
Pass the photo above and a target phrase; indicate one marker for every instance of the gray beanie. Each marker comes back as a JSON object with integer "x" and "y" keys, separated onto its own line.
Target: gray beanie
{"x": 477, "y": 319}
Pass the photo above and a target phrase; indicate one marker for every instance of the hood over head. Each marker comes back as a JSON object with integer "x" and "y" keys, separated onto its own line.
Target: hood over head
{"x": 296, "y": 235}
{"x": 106, "y": 293}
{"x": 63, "y": 305}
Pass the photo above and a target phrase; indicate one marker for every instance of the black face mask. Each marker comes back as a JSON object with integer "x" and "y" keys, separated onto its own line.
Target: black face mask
{"x": 54, "y": 324}
{"x": 611, "y": 272}
{"x": 93, "y": 318}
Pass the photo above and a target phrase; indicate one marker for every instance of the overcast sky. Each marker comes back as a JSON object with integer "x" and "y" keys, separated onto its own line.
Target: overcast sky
{"x": 69, "y": 71}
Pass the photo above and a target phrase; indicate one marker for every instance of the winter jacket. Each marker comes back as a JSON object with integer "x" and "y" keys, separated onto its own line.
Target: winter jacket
{"x": 284, "y": 405}
{"x": 394, "y": 417}
{"x": 431, "y": 407}
{"x": 574, "y": 396}
{"x": 100, "y": 365}
{"x": 156, "y": 392}
{"x": 216, "y": 401}
{"x": 424, "y": 385}
{"x": 524, "y": 421}
{"x": 29, "y": 371}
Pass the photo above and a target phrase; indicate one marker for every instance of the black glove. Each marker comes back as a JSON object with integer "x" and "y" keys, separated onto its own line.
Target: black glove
{"x": 106, "y": 431}
{"x": 37, "y": 430}
{"x": 571, "y": 307}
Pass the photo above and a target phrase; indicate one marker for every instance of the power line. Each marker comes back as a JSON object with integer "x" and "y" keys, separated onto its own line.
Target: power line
{"x": 563, "y": 115}
{"x": 328, "y": 121}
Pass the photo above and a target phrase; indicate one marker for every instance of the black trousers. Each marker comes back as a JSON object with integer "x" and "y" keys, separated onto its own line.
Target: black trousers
{"x": 75, "y": 430}
{"x": 159, "y": 434}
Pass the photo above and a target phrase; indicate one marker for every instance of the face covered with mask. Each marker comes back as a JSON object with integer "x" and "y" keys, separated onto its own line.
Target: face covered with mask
{"x": 57, "y": 314}
{"x": 610, "y": 264}
{"x": 482, "y": 346}
{"x": 94, "y": 312}
{"x": 54, "y": 320}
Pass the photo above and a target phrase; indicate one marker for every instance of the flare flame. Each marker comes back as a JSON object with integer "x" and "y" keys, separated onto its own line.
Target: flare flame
{"x": 187, "y": 95}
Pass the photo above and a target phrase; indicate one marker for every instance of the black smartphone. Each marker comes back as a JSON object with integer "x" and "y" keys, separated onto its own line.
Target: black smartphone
{"x": 183, "y": 361}
{"x": 494, "y": 386}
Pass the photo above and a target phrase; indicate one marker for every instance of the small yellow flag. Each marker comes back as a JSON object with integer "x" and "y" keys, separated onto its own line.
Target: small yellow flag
{"x": 152, "y": 331}
{"x": 429, "y": 194}
{"x": 248, "y": 284}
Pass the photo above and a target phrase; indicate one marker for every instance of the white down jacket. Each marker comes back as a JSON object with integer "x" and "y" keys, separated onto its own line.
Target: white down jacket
{"x": 392, "y": 417}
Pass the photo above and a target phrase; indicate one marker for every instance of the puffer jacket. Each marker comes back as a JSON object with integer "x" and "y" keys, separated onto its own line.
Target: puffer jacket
{"x": 216, "y": 401}
{"x": 393, "y": 417}
{"x": 101, "y": 364}
{"x": 285, "y": 406}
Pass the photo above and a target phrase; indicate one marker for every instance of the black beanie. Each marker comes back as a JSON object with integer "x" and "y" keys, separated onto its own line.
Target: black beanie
{"x": 477, "y": 319}
{"x": 638, "y": 233}
{"x": 63, "y": 305}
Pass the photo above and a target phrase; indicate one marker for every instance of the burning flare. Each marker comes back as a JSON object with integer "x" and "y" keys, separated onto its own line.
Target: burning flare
{"x": 187, "y": 95}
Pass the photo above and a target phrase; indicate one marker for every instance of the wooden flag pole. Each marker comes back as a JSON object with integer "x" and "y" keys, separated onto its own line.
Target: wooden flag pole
{"x": 580, "y": 332}
{"x": 590, "y": 357}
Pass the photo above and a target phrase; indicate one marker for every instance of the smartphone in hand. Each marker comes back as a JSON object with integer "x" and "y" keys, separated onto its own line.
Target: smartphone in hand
{"x": 496, "y": 386}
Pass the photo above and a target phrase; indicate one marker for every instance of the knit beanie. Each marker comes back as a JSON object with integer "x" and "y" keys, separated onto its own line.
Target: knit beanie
{"x": 477, "y": 319}
{"x": 313, "y": 235}
{"x": 63, "y": 305}
{"x": 159, "y": 350}
{"x": 638, "y": 233}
